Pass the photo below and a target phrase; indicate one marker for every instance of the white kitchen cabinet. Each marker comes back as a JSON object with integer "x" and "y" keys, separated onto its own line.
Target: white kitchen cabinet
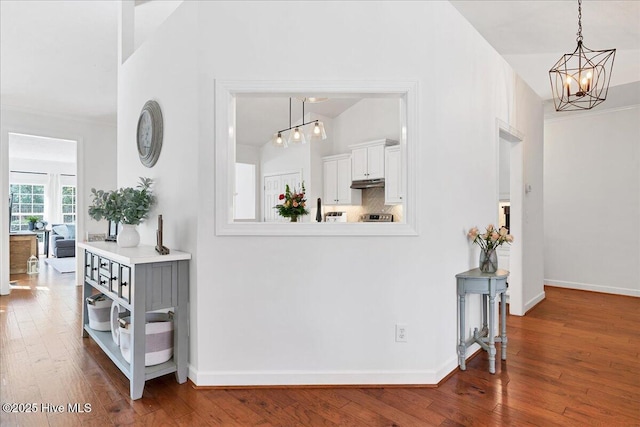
{"x": 393, "y": 190}
{"x": 337, "y": 181}
{"x": 367, "y": 159}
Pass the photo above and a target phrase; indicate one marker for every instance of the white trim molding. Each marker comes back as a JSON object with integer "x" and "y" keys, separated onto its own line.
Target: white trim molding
{"x": 534, "y": 301}
{"x": 593, "y": 288}
{"x": 294, "y": 378}
{"x": 225, "y": 154}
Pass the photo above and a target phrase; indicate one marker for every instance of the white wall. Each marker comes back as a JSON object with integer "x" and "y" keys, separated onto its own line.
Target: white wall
{"x": 367, "y": 120}
{"x": 164, "y": 69}
{"x": 530, "y": 122}
{"x": 324, "y": 309}
{"x": 592, "y": 201}
{"x": 96, "y": 165}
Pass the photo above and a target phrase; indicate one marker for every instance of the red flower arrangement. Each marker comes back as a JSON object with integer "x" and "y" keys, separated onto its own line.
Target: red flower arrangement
{"x": 294, "y": 203}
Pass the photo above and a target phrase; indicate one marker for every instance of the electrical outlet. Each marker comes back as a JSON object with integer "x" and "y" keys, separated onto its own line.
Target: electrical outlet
{"x": 401, "y": 332}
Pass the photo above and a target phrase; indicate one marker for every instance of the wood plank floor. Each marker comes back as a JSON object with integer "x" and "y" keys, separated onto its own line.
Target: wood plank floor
{"x": 572, "y": 361}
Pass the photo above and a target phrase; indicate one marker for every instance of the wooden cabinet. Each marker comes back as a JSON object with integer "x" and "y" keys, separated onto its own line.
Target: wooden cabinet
{"x": 393, "y": 188}
{"x": 367, "y": 159}
{"x": 21, "y": 247}
{"x": 336, "y": 172}
{"x": 139, "y": 280}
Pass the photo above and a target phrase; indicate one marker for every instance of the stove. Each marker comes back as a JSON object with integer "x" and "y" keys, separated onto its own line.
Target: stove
{"x": 378, "y": 217}
{"x": 335, "y": 217}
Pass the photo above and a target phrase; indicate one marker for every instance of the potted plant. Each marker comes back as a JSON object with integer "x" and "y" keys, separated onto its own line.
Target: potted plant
{"x": 293, "y": 204}
{"x": 128, "y": 206}
{"x": 32, "y": 222}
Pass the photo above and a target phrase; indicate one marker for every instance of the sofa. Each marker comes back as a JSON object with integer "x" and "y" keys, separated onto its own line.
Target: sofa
{"x": 63, "y": 240}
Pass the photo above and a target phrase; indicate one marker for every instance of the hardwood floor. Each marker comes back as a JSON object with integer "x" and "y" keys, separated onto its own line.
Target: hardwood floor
{"x": 572, "y": 361}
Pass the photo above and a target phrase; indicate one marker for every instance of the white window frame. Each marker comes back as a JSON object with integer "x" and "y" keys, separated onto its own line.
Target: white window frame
{"x": 225, "y": 155}
{"x": 62, "y": 204}
{"x": 22, "y": 215}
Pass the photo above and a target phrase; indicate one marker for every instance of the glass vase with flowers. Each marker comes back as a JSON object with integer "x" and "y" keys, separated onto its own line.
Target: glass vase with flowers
{"x": 489, "y": 242}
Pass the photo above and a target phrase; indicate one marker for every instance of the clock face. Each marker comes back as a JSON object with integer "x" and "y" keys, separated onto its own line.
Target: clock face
{"x": 149, "y": 136}
{"x": 145, "y": 132}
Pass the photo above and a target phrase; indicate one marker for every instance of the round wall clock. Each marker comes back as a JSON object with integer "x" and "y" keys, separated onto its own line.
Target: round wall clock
{"x": 149, "y": 136}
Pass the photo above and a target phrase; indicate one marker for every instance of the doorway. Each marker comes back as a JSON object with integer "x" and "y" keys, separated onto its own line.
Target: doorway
{"x": 42, "y": 189}
{"x": 510, "y": 194}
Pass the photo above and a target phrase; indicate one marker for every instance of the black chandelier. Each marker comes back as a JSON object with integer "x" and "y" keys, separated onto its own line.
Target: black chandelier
{"x": 297, "y": 135}
{"x": 580, "y": 80}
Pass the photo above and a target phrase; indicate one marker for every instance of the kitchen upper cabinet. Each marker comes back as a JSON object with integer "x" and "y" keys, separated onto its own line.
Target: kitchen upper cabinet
{"x": 392, "y": 176}
{"x": 337, "y": 181}
{"x": 367, "y": 159}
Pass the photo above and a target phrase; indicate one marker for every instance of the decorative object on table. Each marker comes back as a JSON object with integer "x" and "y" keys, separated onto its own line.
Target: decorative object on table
{"x": 149, "y": 135}
{"x": 96, "y": 237}
{"x": 128, "y": 206}
{"x": 32, "y": 222}
{"x": 293, "y": 204}
{"x": 319, "y": 211}
{"x": 162, "y": 250}
{"x": 296, "y": 135}
{"x": 32, "y": 265}
{"x": 112, "y": 232}
{"x": 580, "y": 80}
{"x": 40, "y": 225}
{"x": 489, "y": 242}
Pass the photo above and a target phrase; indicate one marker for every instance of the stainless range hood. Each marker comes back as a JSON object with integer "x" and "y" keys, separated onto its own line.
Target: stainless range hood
{"x": 367, "y": 183}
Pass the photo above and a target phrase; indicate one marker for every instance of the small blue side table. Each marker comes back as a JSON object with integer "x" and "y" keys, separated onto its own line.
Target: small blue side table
{"x": 488, "y": 285}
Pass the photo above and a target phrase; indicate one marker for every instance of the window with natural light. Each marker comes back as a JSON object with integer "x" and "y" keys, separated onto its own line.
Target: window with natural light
{"x": 27, "y": 200}
{"x": 68, "y": 204}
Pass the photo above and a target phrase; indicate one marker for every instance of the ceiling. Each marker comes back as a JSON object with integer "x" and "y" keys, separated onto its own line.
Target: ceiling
{"x": 61, "y": 56}
{"x": 533, "y": 35}
{"x": 258, "y": 118}
{"x": 37, "y": 148}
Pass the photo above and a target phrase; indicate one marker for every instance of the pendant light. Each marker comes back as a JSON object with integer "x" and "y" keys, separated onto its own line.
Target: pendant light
{"x": 279, "y": 141}
{"x": 317, "y": 132}
{"x": 580, "y": 80}
{"x": 296, "y": 133}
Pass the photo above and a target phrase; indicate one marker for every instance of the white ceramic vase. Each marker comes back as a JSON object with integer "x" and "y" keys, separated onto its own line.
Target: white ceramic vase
{"x": 128, "y": 236}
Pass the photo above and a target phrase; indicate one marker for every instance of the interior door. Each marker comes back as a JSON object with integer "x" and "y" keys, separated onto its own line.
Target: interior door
{"x": 274, "y": 185}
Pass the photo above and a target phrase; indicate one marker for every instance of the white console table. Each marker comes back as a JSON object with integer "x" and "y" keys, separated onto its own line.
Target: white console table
{"x": 140, "y": 280}
{"x": 488, "y": 285}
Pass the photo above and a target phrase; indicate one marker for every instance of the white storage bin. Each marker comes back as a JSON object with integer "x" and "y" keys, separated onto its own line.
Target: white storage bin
{"x": 117, "y": 311}
{"x": 99, "y": 311}
{"x": 159, "y": 338}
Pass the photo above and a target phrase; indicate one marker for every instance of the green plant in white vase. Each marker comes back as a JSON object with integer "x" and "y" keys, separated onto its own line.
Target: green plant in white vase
{"x": 128, "y": 206}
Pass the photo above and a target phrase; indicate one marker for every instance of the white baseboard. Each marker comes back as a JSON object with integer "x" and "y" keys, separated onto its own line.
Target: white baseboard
{"x": 594, "y": 288}
{"x": 291, "y": 378}
{"x": 534, "y": 301}
{"x": 295, "y": 378}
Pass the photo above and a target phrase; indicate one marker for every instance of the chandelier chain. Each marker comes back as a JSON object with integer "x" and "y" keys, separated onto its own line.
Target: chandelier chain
{"x": 579, "y": 33}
